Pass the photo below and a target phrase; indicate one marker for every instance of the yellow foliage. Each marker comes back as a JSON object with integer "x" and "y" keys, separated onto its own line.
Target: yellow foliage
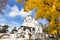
{"x": 53, "y": 32}
{"x": 45, "y": 9}
{"x": 59, "y": 24}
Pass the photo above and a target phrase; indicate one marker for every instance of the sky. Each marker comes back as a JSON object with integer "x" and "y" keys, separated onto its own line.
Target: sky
{"x": 14, "y": 15}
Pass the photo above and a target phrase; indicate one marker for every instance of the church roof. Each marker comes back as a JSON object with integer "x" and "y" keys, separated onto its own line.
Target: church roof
{"x": 25, "y": 27}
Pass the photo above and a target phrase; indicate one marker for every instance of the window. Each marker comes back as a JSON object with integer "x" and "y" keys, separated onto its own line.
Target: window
{"x": 30, "y": 36}
{"x": 30, "y": 30}
{"x": 23, "y": 36}
{"x": 33, "y": 29}
{"x": 24, "y": 29}
{"x": 41, "y": 35}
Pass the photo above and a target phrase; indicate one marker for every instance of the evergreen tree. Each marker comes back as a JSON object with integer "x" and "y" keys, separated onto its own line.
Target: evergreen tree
{"x": 4, "y": 29}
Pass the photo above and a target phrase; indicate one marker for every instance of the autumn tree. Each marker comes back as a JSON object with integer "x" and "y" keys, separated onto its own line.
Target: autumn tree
{"x": 49, "y": 9}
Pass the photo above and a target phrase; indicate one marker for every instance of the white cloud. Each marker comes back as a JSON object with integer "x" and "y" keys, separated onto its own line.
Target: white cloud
{"x": 2, "y": 24}
{"x": 13, "y": 14}
{"x": 24, "y": 14}
{"x": 16, "y": 12}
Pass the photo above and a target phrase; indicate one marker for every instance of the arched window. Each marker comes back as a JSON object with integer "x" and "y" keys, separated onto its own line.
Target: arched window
{"x": 33, "y": 29}
{"x": 24, "y": 28}
{"x": 23, "y": 36}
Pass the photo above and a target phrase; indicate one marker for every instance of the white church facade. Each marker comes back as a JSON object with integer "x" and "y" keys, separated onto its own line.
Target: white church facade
{"x": 30, "y": 29}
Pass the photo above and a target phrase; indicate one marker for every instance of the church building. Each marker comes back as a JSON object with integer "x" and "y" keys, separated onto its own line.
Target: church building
{"x": 30, "y": 29}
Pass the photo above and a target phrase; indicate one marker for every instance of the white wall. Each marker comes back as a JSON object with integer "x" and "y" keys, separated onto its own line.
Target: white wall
{"x": 17, "y": 39}
{"x": 4, "y": 39}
